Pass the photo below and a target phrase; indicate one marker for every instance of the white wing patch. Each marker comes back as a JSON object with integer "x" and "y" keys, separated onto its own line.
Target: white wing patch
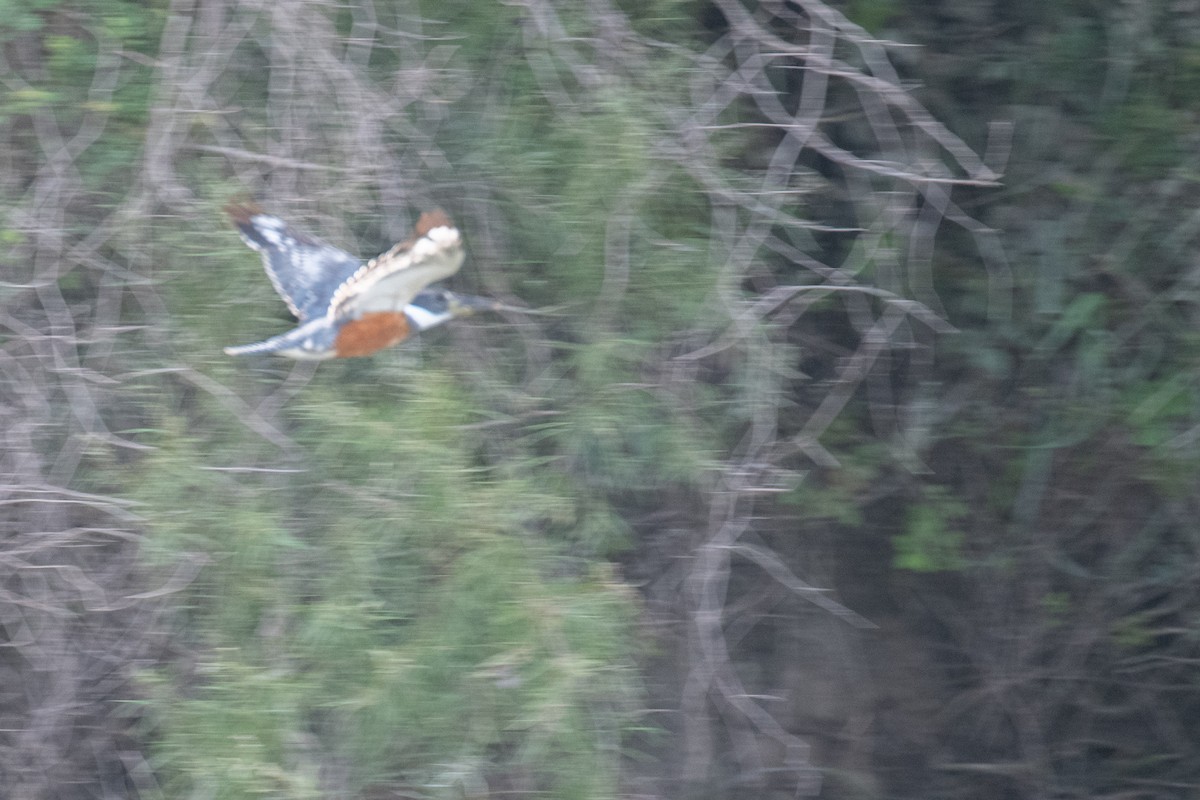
{"x": 303, "y": 269}
{"x": 273, "y": 230}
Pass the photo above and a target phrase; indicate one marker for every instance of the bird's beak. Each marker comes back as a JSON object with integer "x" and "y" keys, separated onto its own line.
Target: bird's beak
{"x": 462, "y": 305}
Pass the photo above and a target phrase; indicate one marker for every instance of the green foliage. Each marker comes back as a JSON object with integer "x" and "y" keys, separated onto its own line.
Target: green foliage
{"x": 1057, "y": 606}
{"x": 23, "y": 16}
{"x": 1134, "y": 633}
{"x": 1160, "y": 409}
{"x": 239, "y": 734}
{"x": 394, "y": 602}
{"x": 1065, "y": 64}
{"x": 664, "y": 20}
{"x": 873, "y": 14}
{"x": 838, "y": 494}
{"x": 931, "y": 541}
{"x": 1149, "y": 135}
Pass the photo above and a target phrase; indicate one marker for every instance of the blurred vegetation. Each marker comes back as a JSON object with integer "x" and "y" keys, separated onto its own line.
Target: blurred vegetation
{"x": 739, "y": 516}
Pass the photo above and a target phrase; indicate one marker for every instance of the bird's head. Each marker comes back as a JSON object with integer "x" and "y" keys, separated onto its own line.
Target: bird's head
{"x": 432, "y": 307}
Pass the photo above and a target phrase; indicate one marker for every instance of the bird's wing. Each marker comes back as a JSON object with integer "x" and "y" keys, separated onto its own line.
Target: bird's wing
{"x": 391, "y": 281}
{"x": 314, "y": 340}
{"x": 304, "y": 270}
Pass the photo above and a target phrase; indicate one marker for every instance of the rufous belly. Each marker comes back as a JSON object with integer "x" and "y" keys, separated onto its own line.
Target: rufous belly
{"x": 371, "y": 333}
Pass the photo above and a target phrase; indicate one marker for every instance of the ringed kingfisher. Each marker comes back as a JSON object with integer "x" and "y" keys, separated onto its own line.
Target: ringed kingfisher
{"x": 349, "y": 308}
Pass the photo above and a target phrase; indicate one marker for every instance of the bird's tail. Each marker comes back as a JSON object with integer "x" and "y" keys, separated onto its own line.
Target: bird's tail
{"x": 312, "y": 341}
{"x": 242, "y": 213}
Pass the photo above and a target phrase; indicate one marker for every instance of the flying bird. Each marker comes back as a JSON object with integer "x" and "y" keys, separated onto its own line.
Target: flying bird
{"x": 347, "y": 307}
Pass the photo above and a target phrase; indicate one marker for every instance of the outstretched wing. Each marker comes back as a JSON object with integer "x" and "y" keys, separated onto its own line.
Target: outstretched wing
{"x": 304, "y": 270}
{"x": 391, "y": 281}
